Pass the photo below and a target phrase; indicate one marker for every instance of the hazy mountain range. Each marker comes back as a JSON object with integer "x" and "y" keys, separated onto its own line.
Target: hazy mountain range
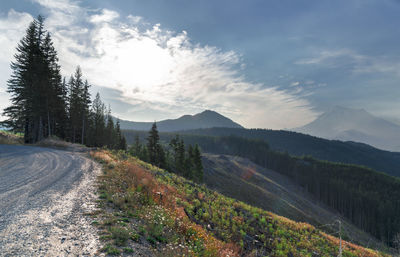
{"x": 357, "y": 125}
{"x": 340, "y": 123}
{"x": 205, "y": 119}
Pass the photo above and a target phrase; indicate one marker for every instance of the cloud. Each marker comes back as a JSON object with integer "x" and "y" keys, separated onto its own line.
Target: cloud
{"x": 359, "y": 63}
{"x": 158, "y": 73}
{"x": 105, "y": 16}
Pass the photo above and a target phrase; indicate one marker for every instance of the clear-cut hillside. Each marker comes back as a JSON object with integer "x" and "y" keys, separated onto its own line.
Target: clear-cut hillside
{"x": 246, "y": 181}
{"x": 205, "y": 119}
{"x": 355, "y": 125}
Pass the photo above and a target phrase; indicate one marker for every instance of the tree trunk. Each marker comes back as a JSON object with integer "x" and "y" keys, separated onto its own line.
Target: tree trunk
{"x": 40, "y": 135}
{"x": 83, "y": 129}
{"x": 48, "y": 122}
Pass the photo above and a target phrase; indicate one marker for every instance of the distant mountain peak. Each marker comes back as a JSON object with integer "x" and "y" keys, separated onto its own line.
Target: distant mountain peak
{"x": 344, "y": 123}
{"x": 204, "y": 119}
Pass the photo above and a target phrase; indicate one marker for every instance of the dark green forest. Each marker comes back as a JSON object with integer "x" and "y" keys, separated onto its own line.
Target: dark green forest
{"x": 176, "y": 156}
{"x": 298, "y": 144}
{"x": 45, "y": 105}
{"x": 370, "y": 199}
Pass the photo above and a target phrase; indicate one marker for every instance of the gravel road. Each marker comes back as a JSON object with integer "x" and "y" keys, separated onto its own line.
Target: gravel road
{"x": 44, "y": 196}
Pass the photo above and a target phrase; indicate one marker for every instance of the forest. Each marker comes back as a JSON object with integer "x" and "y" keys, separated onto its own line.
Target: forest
{"x": 298, "y": 144}
{"x": 176, "y": 157}
{"x": 44, "y": 105}
{"x": 369, "y": 199}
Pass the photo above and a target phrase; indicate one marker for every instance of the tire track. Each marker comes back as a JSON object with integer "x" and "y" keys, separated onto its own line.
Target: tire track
{"x": 44, "y": 194}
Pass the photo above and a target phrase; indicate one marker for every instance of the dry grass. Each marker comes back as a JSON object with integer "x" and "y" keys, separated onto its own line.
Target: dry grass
{"x": 233, "y": 221}
{"x": 9, "y": 138}
{"x": 128, "y": 177}
{"x": 55, "y": 142}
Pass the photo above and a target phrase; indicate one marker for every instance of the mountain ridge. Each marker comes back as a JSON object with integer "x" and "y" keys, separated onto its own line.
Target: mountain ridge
{"x": 205, "y": 119}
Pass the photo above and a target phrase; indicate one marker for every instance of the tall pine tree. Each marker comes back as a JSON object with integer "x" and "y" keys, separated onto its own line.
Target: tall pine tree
{"x": 37, "y": 98}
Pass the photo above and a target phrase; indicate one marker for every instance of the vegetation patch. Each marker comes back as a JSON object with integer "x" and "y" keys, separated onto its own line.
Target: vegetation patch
{"x": 10, "y": 138}
{"x": 177, "y": 217}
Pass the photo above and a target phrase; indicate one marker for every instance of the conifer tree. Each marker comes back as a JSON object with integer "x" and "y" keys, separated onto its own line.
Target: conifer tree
{"x": 153, "y": 144}
{"x": 178, "y": 148}
{"x": 111, "y": 136}
{"x": 85, "y": 112}
{"x": 120, "y": 139}
{"x": 189, "y": 163}
{"x": 98, "y": 109}
{"x": 135, "y": 149}
{"x": 37, "y": 102}
{"x": 198, "y": 166}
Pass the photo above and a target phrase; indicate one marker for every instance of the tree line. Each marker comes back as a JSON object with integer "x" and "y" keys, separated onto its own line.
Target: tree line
{"x": 174, "y": 157}
{"x": 369, "y": 199}
{"x": 43, "y": 104}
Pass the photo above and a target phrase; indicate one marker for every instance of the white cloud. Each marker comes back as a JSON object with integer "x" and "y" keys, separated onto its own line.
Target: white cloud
{"x": 359, "y": 63}
{"x": 326, "y": 56}
{"x": 105, "y": 16}
{"x": 134, "y": 19}
{"x": 158, "y": 71}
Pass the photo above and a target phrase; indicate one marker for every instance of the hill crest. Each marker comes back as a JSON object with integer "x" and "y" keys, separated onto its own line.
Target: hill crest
{"x": 205, "y": 119}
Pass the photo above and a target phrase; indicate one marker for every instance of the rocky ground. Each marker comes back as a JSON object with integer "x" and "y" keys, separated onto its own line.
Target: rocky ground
{"x": 45, "y": 196}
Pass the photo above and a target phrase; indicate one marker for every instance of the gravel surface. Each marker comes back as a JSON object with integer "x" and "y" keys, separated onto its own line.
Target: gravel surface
{"x": 44, "y": 196}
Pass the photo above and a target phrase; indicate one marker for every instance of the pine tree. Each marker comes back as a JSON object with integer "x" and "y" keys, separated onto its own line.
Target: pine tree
{"x": 121, "y": 141}
{"x": 153, "y": 144}
{"x": 189, "y": 163}
{"x": 136, "y": 148}
{"x": 20, "y": 85}
{"x": 76, "y": 104}
{"x": 198, "y": 166}
{"x": 85, "y": 105}
{"x": 37, "y": 100}
{"x": 111, "y": 139}
{"x": 178, "y": 148}
{"x": 98, "y": 108}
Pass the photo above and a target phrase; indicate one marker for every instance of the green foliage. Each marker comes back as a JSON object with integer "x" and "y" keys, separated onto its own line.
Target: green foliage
{"x": 37, "y": 93}
{"x": 45, "y": 105}
{"x": 110, "y": 250}
{"x": 174, "y": 157}
{"x": 120, "y": 235}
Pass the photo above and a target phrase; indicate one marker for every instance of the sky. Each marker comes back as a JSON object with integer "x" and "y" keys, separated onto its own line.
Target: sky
{"x": 263, "y": 63}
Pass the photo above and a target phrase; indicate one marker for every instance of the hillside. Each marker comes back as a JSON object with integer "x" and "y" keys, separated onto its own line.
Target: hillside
{"x": 298, "y": 144}
{"x": 144, "y": 205}
{"x": 269, "y": 190}
{"x": 205, "y": 119}
{"x": 366, "y": 197}
{"x": 355, "y": 125}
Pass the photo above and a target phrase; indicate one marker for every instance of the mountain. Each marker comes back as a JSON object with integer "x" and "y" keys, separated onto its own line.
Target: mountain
{"x": 205, "y": 119}
{"x": 348, "y": 124}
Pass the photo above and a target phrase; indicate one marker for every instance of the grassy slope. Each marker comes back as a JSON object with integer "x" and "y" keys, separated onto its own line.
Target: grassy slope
{"x": 193, "y": 220}
{"x": 269, "y": 190}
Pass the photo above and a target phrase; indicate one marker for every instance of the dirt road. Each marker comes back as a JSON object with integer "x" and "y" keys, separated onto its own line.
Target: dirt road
{"x": 44, "y": 196}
